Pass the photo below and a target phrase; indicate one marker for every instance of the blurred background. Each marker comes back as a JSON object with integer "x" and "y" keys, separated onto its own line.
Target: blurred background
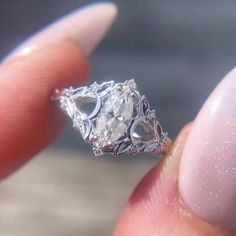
{"x": 177, "y": 51}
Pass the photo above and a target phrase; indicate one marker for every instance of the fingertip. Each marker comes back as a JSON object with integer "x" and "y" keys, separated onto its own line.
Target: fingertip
{"x": 155, "y": 207}
{"x": 29, "y": 119}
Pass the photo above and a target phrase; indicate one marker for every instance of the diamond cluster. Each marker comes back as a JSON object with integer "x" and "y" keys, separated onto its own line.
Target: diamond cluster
{"x": 111, "y": 126}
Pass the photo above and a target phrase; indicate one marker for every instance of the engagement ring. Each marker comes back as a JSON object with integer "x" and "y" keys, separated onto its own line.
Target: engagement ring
{"x": 114, "y": 118}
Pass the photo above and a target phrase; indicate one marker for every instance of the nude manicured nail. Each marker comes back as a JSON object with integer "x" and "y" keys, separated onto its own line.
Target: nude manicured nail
{"x": 207, "y": 179}
{"x": 87, "y": 26}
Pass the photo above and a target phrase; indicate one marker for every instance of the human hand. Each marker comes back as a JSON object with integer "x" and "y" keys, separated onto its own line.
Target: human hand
{"x": 191, "y": 192}
{"x": 53, "y": 58}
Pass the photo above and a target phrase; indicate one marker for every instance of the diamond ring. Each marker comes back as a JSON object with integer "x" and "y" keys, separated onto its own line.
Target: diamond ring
{"x": 114, "y": 118}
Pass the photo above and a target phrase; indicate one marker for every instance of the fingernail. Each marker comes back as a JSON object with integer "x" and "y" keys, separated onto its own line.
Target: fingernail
{"x": 207, "y": 178}
{"x": 87, "y": 26}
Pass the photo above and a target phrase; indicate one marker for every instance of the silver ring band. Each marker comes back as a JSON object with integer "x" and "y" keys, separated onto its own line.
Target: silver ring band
{"x": 120, "y": 121}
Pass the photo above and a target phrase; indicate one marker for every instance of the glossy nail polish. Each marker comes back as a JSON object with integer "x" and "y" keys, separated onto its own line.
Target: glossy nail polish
{"x": 207, "y": 178}
{"x": 87, "y": 26}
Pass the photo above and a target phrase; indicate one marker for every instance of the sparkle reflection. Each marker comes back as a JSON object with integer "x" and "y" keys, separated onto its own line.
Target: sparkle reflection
{"x": 215, "y": 104}
{"x": 27, "y": 50}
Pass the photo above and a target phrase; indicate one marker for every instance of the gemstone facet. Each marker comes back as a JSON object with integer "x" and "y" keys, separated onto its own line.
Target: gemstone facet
{"x": 114, "y": 117}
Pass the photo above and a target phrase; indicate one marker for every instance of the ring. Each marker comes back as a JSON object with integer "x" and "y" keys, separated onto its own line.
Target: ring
{"x": 114, "y": 118}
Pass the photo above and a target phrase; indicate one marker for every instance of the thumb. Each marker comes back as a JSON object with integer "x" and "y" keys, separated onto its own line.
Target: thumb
{"x": 192, "y": 191}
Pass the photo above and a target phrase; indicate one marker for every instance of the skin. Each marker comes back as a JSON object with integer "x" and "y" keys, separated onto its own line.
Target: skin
{"x": 30, "y": 122}
{"x": 156, "y": 206}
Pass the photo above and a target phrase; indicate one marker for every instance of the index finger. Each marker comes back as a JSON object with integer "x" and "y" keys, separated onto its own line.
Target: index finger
{"x": 29, "y": 121}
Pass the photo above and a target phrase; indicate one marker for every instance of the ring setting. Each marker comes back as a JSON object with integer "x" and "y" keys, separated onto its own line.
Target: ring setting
{"x": 119, "y": 121}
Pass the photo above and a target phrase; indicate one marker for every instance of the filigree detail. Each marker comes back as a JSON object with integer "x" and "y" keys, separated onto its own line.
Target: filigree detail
{"x": 111, "y": 126}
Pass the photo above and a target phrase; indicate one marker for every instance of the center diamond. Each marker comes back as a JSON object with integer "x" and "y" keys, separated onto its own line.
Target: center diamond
{"x": 114, "y": 117}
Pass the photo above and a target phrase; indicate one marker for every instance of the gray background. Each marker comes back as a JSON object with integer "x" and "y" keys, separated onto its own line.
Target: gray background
{"x": 177, "y": 51}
